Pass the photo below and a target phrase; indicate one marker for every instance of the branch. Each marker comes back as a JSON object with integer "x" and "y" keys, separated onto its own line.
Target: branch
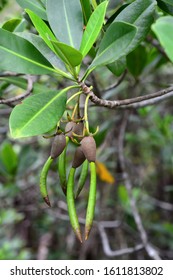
{"x": 120, "y": 103}
{"x": 152, "y": 253}
{"x": 106, "y": 246}
{"x": 149, "y": 102}
{"x": 9, "y": 101}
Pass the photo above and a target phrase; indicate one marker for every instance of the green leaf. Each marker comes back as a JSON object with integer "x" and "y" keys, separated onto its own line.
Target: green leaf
{"x": 114, "y": 44}
{"x": 86, "y": 9}
{"x": 8, "y": 157}
{"x": 68, "y": 54}
{"x": 93, "y": 28}
{"x": 65, "y": 19}
{"x": 136, "y": 61}
{"x": 11, "y": 24}
{"x": 42, "y": 29}
{"x": 34, "y": 5}
{"x": 163, "y": 28}
{"x": 141, "y": 14}
{"x": 166, "y": 6}
{"x": 118, "y": 66}
{"x": 37, "y": 114}
{"x": 22, "y": 83}
{"x": 19, "y": 55}
{"x": 170, "y": 2}
{"x": 46, "y": 52}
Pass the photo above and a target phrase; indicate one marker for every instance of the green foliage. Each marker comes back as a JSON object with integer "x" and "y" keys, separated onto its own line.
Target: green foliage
{"x": 9, "y": 158}
{"x": 166, "y": 6}
{"x": 69, "y": 55}
{"x": 86, "y": 10}
{"x": 138, "y": 58}
{"x": 43, "y": 117}
{"x": 11, "y": 24}
{"x": 65, "y": 18}
{"x": 163, "y": 29}
{"x": 34, "y": 5}
{"x": 114, "y": 44}
{"x": 141, "y": 14}
{"x": 93, "y": 28}
{"x": 63, "y": 43}
{"x": 21, "y": 56}
{"x": 2, "y": 4}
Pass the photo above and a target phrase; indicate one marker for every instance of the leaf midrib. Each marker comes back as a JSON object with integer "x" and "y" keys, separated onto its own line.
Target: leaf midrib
{"x": 68, "y": 27}
{"x": 93, "y": 30}
{"x": 28, "y": 59}
{"x": 47, "y": 105}
{"x": 112, "y": 44}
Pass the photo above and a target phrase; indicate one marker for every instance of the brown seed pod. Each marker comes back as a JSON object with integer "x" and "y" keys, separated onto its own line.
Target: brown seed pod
{"x": 78, "y": 129}
{"x": 58, "y": 145}
{"x": 70, "y": 126}
{"x": 79, "y": 158}
{"x": 88, "y": 146}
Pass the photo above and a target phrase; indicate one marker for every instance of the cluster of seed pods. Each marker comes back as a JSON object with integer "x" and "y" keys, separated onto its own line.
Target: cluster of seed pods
{"x": 85, "y": 155}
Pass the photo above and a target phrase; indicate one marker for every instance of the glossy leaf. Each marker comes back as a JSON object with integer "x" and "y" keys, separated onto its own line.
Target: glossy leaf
{"x": 65, "y": 19}
{"x": 42, "y": 28}
{"x": 93, "y": 28}
{"x": 114, "y": 43}
{"x": 163, "y": 29}
{"x": 37, "y": 114}
{"x": 117, "y": 67}
{"x": 11, "y": 24}
{"x": 86, "y": 9}
{"x": 165, "y": 6}
{"x": 141, "y": 14}
{"x": 34, "y": 5}
{"x": 19, "y": 55}
{"x": 22, "y": 83}
{"x": 69, "y": 55}
{"x": 46, "y": 52}
{"x": 168, "y": 2}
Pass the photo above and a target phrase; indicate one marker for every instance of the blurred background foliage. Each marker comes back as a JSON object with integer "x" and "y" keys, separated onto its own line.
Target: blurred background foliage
{"x": 30, "y": 230}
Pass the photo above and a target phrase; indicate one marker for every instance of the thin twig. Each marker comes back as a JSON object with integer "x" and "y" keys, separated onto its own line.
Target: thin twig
{"x": 117, "y": 83}
{"x": 158, "y": 203}
{"x": 151, "y": 251}
{"x": 116, "y": 253}
{"x": 11, "y": 100}
{"x": 119, "y": 103}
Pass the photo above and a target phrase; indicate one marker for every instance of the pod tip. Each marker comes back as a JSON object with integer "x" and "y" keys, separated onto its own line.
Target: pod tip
{"x": 46, "y": 199}
{"x": 87, "y": 231}
{"x": 78, "y": 235}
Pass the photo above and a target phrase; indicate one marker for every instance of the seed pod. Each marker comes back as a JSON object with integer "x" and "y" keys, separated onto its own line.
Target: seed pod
{"x": 82, "y": 178}
{"x": 58, "y": 145}
{"x": 78, "y": 129}
{"x": 62, "y": 168}
{"x": 79, "y": 158}
{"x": 71, "y": 205}
{"x": 43, "y": 180}
{"x": 88, "y": 146}
{"x": 70, "y": 126}
{"x": 91, "y": 201}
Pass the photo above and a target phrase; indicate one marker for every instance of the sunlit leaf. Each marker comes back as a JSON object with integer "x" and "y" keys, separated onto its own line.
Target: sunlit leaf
{"x": 37, "y": 114}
